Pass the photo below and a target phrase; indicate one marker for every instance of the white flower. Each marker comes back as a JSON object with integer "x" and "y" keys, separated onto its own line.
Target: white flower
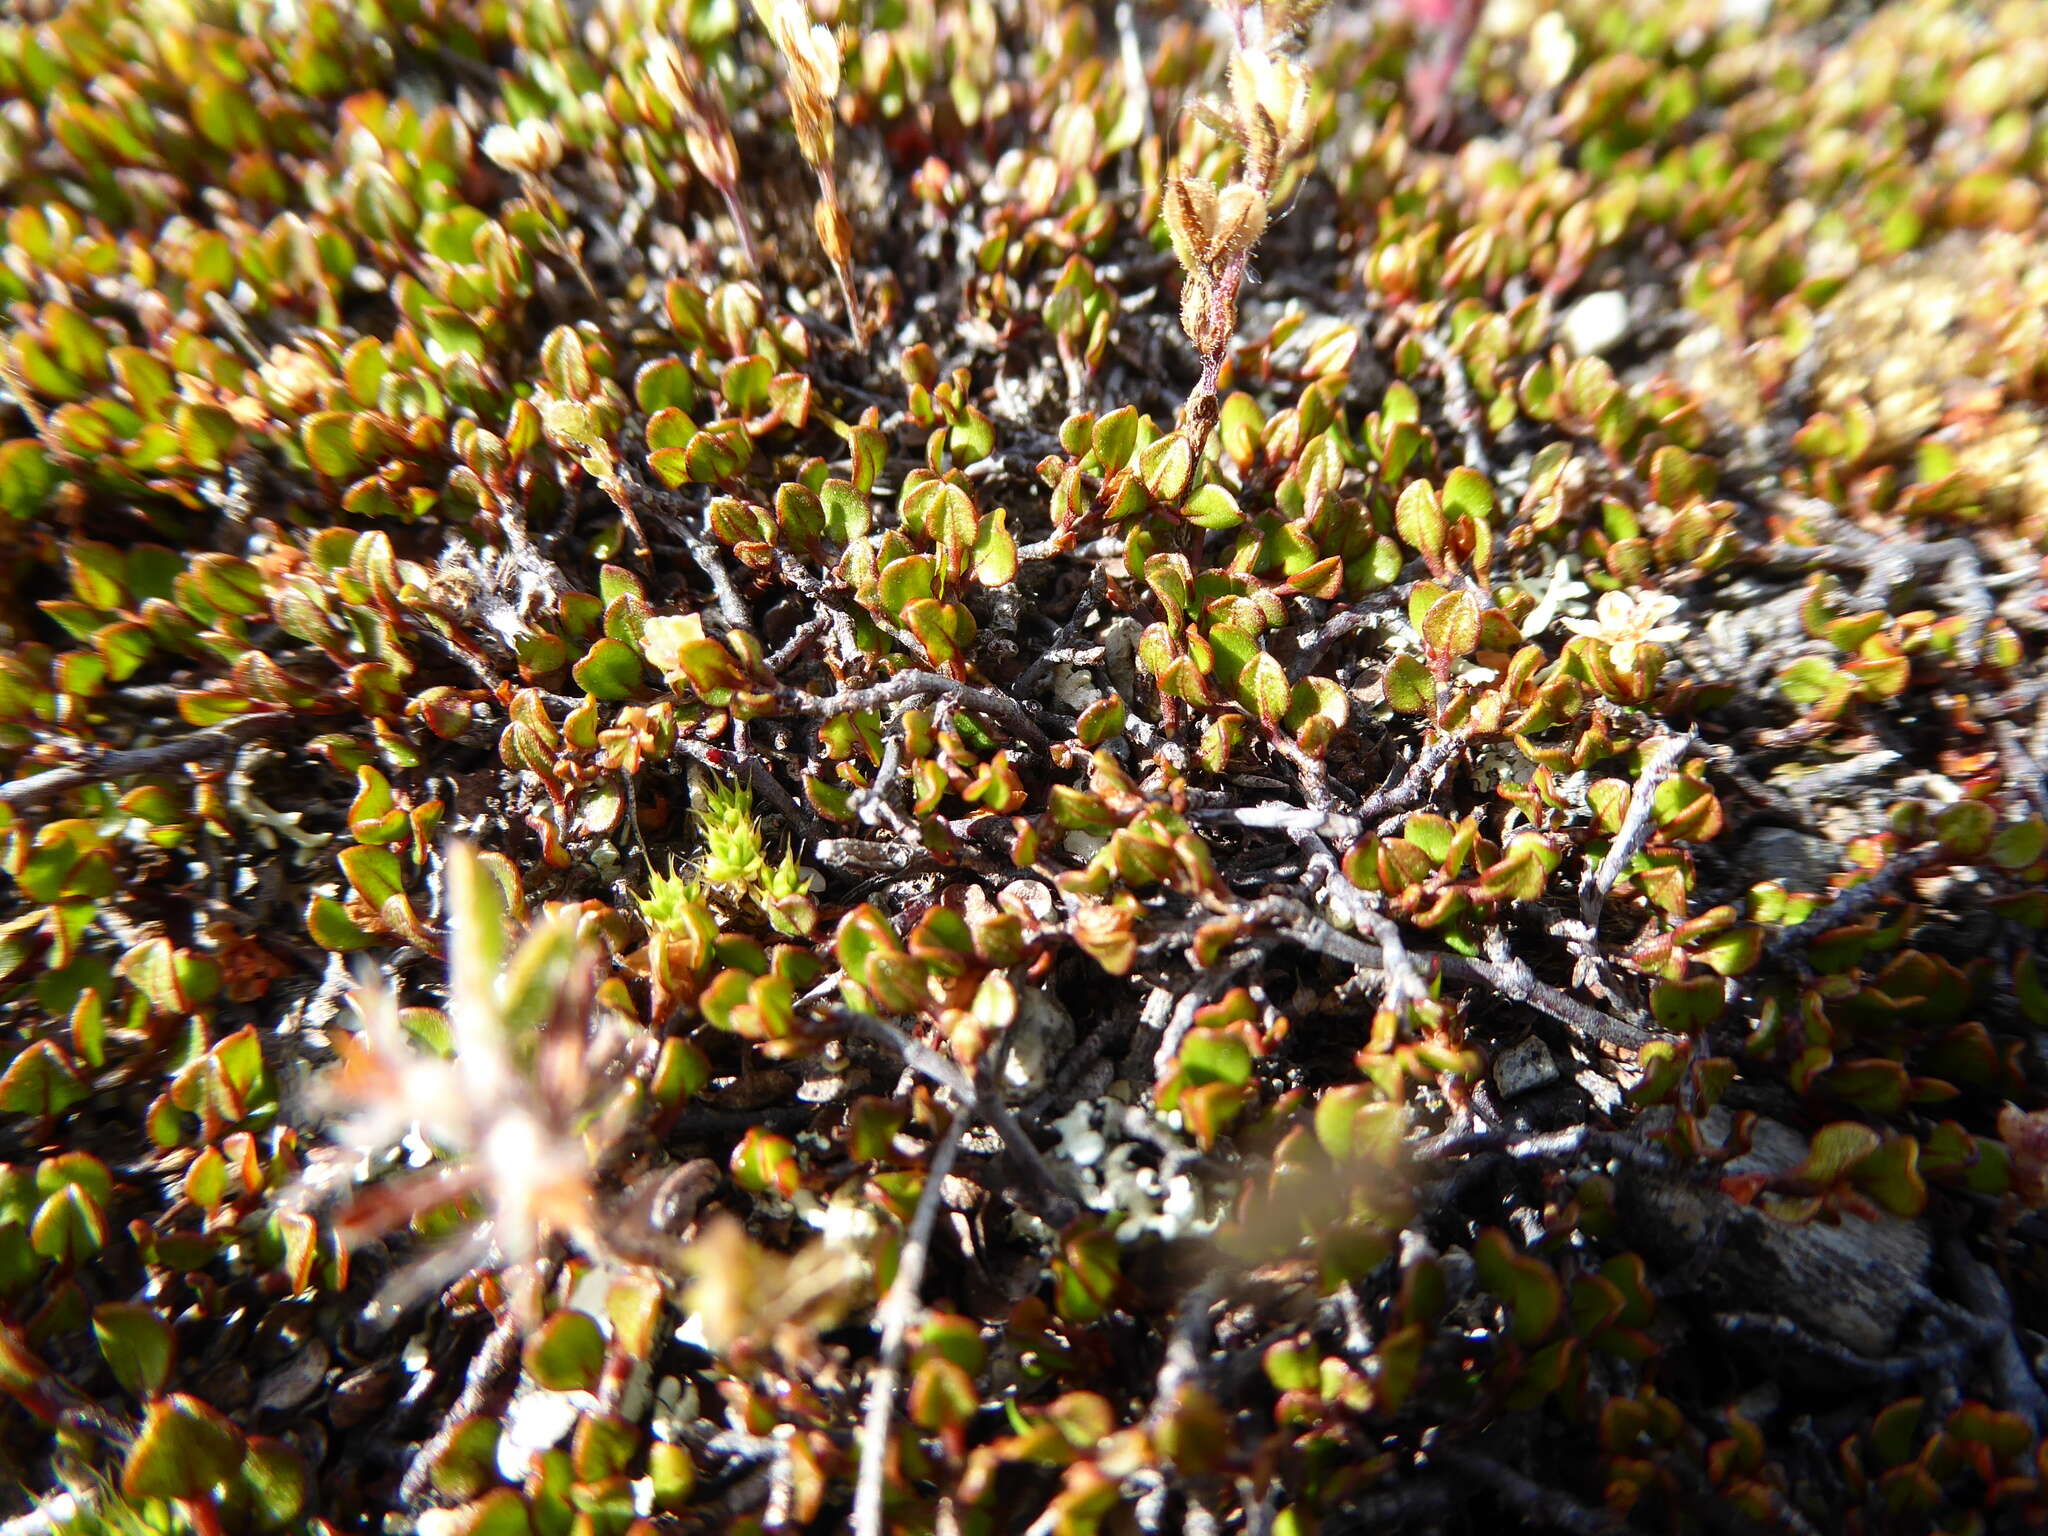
{"x": 1627, "y": 621}
{"x": 531, "y": 148}
{"x": 1559, "y": 593}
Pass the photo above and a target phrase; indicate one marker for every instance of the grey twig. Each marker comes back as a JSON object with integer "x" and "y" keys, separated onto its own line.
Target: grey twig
{"x": 899, "y": 1309}
{"x": 201, "y": 746}
{"x": 1856, "y": 900}
{"x": 1549, "y": 1147}
{"x": 1525, "y": 1496}
{"x": 1424, "y": 1501}
{"x": 1460, "y": 408}
{"x": 1054, "y": 1204}
{"x": 1660, "y": 761}
{"x": 1892, "y": 1368}
{"x": 1413, "y": 785}
{"x": 905, "y": 686}
{"x": 1064, "y": 640}
{"x": 1186, "y": 1347}
{"x": 487, "y": 1369}
{"x": 806, "y": 635}
{"x": 2020, "y": 767}
{"x": 1513, "y": 981}
{"x": 704, "y": 550}
{"x": 1405, "y": 983}
{"x": 1986, "y": 1298}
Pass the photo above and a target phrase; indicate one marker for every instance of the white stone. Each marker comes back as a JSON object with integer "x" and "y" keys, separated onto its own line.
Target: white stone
{"x": 1083, "y": 846}
{"x": 1074, "y": 687}
{"x": 1041, "y": 1036}
{"x": 1595, "y": 323}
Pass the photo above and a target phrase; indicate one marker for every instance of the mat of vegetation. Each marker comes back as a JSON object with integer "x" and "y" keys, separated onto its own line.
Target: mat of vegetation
{"x": 970, "y": 767}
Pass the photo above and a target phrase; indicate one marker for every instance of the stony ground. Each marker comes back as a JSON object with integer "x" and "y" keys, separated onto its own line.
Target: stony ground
{"x": 967, "y": 767}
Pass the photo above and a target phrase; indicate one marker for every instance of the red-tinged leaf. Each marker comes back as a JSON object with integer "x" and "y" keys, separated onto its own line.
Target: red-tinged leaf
{"x": 41, "y": 1081}
{"x": 137, "y": 1345}
{"x": 185, "y": 1450}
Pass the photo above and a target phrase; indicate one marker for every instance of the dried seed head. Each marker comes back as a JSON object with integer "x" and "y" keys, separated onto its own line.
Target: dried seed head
{"x": 1191, "y": 220}
{"x": 713, "y": 154}
{"x": 1287, "y": 20}
{"x": 1240, "y": 220}
{"x": 834, "y": 233}
{"x": 1195, "y": 296}
{"x": 2025, "y": 1135}
{"x": 1254, "y": 130}
{"x": 812, "y": 55}
{"x": 293, "y": 381}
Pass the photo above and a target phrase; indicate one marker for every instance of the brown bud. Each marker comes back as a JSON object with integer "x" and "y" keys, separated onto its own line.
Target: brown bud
{"x": 1219, "y": 323}
{"x": 1194, "y": 306}
{"x": 713, "y": 155}
{"x": 834, "y": 233}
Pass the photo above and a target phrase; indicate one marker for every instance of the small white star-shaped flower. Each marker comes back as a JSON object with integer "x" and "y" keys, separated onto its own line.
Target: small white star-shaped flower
{"x": 1628, "y": 621}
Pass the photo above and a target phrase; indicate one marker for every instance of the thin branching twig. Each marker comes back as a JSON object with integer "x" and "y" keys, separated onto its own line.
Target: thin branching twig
{"x": 898, "y": 1311}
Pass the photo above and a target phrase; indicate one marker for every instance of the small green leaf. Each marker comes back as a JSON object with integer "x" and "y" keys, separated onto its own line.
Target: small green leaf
{"x": 611, "y": 671}
{"x": 375, "y": 874}
{"x": 329, "y": 448}
{"x": 1419, "y": 519}
{"x": 1213, "y": 508}
{"x": 846, "y": 510}
{"x": 1466, "y": 494}
{"x": 1264, "y": 684}
{"x": 40, "y": 1081}
{"x": 1115, "y": 436}
{"x": 664, "y": 384}
{"x": 672, "y": 1474}
{"x": 274, "y": 1476}
{"x": 1214, "y": 1056}
{"x": 69, "y": 1227}
{"x": 1527, "y": 1285}
{"x": 1966, "y": 828}
{"x": 995, "y": 550}
{"x": 1809, "y": 680}
{"x": 1165, "y": 466}
{"x": 185, "y": 1450}
{"x": 1685, "y": 1006}
{"x": 1100, "y": 721}
{"x": 136, "y": 1344}
{"x": 333, "y": 929}
{"x": 942, "y": 1395}
{"x": 567, "y": 1352}
{"x": 2021, "y": 844}
{"x": 467, "y": 1463}
{"x": 1452, "y": 624}
{"x": 1409, "y": 688}
{"x": 1085, "y": 1275}
{"x": 764, "y": 1163}
{"x": 1891, "y": 1177}
{"x": 1836, "y": 1150}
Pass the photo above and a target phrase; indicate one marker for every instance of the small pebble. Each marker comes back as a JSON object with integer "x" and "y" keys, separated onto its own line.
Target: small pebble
{"x": 1523, "y": 1068}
